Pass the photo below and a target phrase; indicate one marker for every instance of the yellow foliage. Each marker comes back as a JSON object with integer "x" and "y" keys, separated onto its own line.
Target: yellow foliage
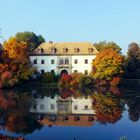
{"x": 15, "y": 49}
{"x": 108, "y": 63}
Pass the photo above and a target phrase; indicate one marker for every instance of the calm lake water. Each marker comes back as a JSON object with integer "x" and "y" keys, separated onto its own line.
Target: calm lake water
{"x": 39, "y": 113}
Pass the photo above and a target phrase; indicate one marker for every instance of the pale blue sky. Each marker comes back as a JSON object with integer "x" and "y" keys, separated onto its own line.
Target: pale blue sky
{"x": 73, "y": 20}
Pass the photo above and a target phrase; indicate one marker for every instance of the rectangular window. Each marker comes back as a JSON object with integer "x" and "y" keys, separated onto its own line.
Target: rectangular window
{"x": 75, "y": 61}
{"x": 42, "y": 106}
{"x": 75, "y": 107}
{"x": 75, "y": 71}
{"x": 35, "y": 61}
{"x": 42, "y": 61}
{"x": 66, "y": 61}
{"x": 86, "y": 72}
{"x": 52, "y": 61}
{"x": 52, "y": 107}
{"x": 86, "y": 107}
{"x": 34, "y": 106}
{"x": 61, "y": 61}
{"x": 86, "y": 61}
{"x": 42, "y": 71}
{"x": 42, "y": 97}
{"x": 35, "y": 72}
{"x": 52, "y": 71}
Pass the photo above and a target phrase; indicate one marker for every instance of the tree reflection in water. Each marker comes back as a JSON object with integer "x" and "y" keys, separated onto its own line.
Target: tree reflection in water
{"x": 18, "y": 110}
{"x": 108, "y": 108}
{"x": 14, "y": 112}
{"x": 132, "y": 99}
{"x": 106, "y": 102}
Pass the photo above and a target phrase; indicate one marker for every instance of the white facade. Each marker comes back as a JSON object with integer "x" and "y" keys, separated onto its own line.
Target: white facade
{"x": 68, "y": 56}
{"x": 54, "y": 63}
{"x": 45, "y": 105}
{"x": 50, "y": 63}
{"x": 57, "y": 105}
{"x": 82, "y": 106}
{"x": 84, "y": 63}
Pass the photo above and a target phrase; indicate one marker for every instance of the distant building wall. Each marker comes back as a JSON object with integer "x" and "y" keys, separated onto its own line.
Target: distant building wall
{"x": 45, "y": 105}
{"x": 57, "y": 106}
{"x": 50, "y": 63}
{"x": 82, "y": 63}
{"x": 82, "y": 106}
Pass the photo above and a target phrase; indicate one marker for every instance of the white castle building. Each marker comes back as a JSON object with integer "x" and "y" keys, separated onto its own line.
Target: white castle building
{"x": 66, "y": 57}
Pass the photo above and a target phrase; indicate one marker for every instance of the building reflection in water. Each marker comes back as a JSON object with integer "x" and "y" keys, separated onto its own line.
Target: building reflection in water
{"x": 64, "y": 112}
{"x": 25, "y": 112}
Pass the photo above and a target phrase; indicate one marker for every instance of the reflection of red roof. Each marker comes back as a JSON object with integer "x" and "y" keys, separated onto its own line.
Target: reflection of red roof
{"x": 70, "y": 120}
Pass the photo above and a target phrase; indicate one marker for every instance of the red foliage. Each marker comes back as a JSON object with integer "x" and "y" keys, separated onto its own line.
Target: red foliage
{"x": 6, "y": 75}
{"x": 65, "y": 80}
{"x": 68, "y": 81}
{"x": 109, "y": 118}
{"x": 115, "y": 81}
{"x": 66, "y": 77}
{"x": 14, "y": 68}
{"x": 73, "y": 82}
{"x": 115, "y": 90}
{"x": 1, "y": 84}
{"x": 6, "y": 102}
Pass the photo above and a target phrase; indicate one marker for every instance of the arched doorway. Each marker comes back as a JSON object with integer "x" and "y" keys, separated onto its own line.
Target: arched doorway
{"x": 64, "y": 72}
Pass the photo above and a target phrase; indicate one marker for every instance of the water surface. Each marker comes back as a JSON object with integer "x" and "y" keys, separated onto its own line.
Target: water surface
{"x": 39, "y": 113}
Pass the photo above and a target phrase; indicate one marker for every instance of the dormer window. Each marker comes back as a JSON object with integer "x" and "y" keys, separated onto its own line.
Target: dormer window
{"x": 53, "y": 50}
{"x": 65, "y": 50}
{"x": 76, "y": 50}
{"x": 41, "y": 50}
{"x": 90, "y": 50}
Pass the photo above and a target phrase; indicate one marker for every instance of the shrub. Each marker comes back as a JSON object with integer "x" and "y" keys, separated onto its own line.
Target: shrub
{"x": 101, "y": 82}
{"x": 86, "y": 81}
{"x": 65, "y": 80}
{"x": 76, "y": 77}
{"x": 48, "y": 77}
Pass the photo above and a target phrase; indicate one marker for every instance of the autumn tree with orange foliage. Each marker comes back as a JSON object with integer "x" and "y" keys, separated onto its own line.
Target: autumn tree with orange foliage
{"x": 15, "y": 65}
{"x": 108, "y": 108}
{"x": 8, "y": 77}
{"x": 108, "y": 65}
{"x": 15, "y": 49}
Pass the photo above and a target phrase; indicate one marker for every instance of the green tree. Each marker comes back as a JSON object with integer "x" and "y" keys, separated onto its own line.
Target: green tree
{"x": 106, "y": 45}
{"x": 132, "y": 65}
{"x": 32, "y": 40}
